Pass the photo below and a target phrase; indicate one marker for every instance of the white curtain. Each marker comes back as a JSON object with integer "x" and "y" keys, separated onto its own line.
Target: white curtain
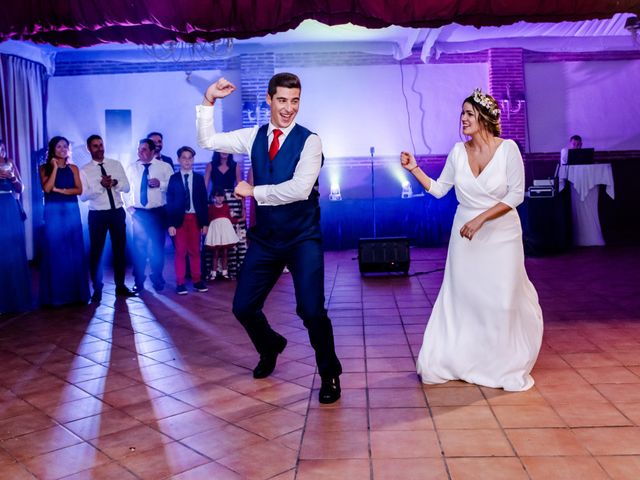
{"x": 22, "y": 126}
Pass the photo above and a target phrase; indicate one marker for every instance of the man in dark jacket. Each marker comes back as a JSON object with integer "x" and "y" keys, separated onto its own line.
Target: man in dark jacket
{"x": 187, "y": 219}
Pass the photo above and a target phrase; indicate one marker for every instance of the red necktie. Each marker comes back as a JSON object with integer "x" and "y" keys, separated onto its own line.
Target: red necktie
{"x": 275, "y": 144}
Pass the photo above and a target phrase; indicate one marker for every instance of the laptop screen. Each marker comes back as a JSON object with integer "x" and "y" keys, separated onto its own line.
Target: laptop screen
{"x": 580, "y": 156}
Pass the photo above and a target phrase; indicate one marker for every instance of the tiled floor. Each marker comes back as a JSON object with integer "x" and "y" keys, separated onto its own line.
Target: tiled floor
{"x": 161, "y": 386}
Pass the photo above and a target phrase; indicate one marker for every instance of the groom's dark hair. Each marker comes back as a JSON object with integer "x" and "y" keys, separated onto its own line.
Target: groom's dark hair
{"x": 284, "y": 79}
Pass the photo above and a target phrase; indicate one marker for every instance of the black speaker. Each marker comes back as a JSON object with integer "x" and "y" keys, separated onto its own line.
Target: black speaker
{"x": 383, "y": 255}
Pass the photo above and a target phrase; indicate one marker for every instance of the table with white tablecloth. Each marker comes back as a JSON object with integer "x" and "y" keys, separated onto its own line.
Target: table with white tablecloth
{"x": 585, "y": 181}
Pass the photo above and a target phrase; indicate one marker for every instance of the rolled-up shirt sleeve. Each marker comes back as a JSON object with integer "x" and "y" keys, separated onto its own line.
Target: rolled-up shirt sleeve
{"x": 515, "y": 176}
{"x": 236, "y": 141}
{"x": 304, "y": 178}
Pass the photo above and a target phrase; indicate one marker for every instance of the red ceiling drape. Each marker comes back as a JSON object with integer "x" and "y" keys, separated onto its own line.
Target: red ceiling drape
{"x": 84, "y": 22}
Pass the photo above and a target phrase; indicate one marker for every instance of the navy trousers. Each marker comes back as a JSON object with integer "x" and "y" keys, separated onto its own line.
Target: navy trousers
{"x": 260, "y": 271}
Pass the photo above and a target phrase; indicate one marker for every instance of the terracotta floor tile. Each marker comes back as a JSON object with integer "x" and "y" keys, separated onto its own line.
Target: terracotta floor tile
{"x": 487, "y": 468}
{"x": 327, "y": 469}
{"x": 167, "y": 460}
{"x": 564, "y": 468}
{"x": 557, "y": 376}
{"x": 385, "y": 351}
{"x": 392, "y": 379}
{"x": 240, "y": 408}
{"x": 560, "y": 394}
{"x": 594, "y": 415}
{"x": 475, "y": 443}
{"x": 211, "y": 470}
{"x": 188, "y": 423}
{"x": 400, "y": 419}
{"x": 15, "y": 471}
{"x": 620, "y": 392}
{"x": 585, "y": 360}
{"x": 23, "y": 424}
{"x": 621, "y": 467}
{"x": 267, "y": 461}
{"x": 404, "y": 444}
{"x": 601, "y": 375}
{"x": 106, "y": 471}
{"x": 540, "y": 442}
{"x": 156, "y": 409}
{"x": 113, "y": 381}
{"x": 409, "y": 469}
{"x": 273, "y": 423}
{"x": 222, "y": 441}
{"x": 282, "y": 394}
{"x": 44, "y": 399}
{"x": 130, "y": 395}
{"x": 527, "y": 416}
{"x": 610, "y": 440}
{"x": 497, "y": 396}
{"x": 445, "y": 397}
{"x": 631, "y": 411}
{"x": 549, "y": 360}
{"x": 14, "y": 407}
{"x": 396, "y": 397}
{"x": 334, "y": 445}
{"x": 70, "y": 411}
{"x": 131, "y": 441}
{"x": 105, "y": 423}
{"x": 86, "y": 373}
{"x": 464, "y": 417}
{"x": 40, "y": 442}
{"x": 66, "y": 461}
{"x": 337, "y": 420}
{"x": 389, "y": 364}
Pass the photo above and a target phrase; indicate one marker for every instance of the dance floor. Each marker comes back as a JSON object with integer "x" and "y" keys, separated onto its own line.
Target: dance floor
{"x": 161, "y": 387}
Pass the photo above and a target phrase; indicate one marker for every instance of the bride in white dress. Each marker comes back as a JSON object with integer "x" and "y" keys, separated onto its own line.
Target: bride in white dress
{"x": 486, "y": 325}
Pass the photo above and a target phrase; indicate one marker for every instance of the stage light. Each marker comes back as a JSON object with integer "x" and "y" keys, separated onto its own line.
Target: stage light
{"x": 335, "y": 195}
{"x": 407, "y": 192}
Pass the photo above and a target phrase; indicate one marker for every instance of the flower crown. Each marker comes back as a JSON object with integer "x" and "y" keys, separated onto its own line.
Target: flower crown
{"x": 482, "y": 99}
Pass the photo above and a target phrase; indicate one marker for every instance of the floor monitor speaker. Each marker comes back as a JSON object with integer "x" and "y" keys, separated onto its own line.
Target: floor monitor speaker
{"x": 383, "y": 255}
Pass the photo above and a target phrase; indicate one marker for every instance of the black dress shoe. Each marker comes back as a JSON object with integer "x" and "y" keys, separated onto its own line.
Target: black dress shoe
{"x": 329, "y": 390}
{"x": 97, "y": 296}
{"x": 138, "y": 289}
{"x": 124, "y": 292}
{"x": 267, "y": 362}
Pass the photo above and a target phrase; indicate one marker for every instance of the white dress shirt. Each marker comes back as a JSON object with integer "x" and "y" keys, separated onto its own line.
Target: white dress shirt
{"x": 94, "y": 192}
{"x": 156, "y": 197}
{"x": 190, "y": 183}
{"x": 241, "y": 141}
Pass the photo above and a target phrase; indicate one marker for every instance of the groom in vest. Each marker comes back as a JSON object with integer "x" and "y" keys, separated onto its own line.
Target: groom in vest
{"x": 286, "y": 160}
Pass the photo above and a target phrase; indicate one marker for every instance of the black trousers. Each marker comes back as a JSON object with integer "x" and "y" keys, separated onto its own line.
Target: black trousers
{"x": 102, "y": 222}
{"x": 260, "y": 271}
{"x": 148, "y": 240}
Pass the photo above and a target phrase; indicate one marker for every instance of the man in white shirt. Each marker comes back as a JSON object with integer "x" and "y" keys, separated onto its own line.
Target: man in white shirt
{"x": 103, "y": 183}
{"x": 149, "y": 179}
{"x": 574, "y": 142}
{"x": 285, "y": 161}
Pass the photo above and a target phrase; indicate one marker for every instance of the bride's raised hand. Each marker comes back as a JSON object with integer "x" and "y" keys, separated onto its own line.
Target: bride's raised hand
{"x": 408, "y": 161}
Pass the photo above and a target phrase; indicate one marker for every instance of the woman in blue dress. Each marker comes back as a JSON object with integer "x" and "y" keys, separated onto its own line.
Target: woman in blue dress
{"x": 15, "y": 282}
{"x": 63, "y": 266}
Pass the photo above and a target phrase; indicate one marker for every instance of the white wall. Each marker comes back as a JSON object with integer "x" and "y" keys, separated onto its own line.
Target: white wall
{"x": 159, "y": 101}
{"x": 355, "y": 108}
{"x": 351, "y": 108}
{"x": 598, "y": 100}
